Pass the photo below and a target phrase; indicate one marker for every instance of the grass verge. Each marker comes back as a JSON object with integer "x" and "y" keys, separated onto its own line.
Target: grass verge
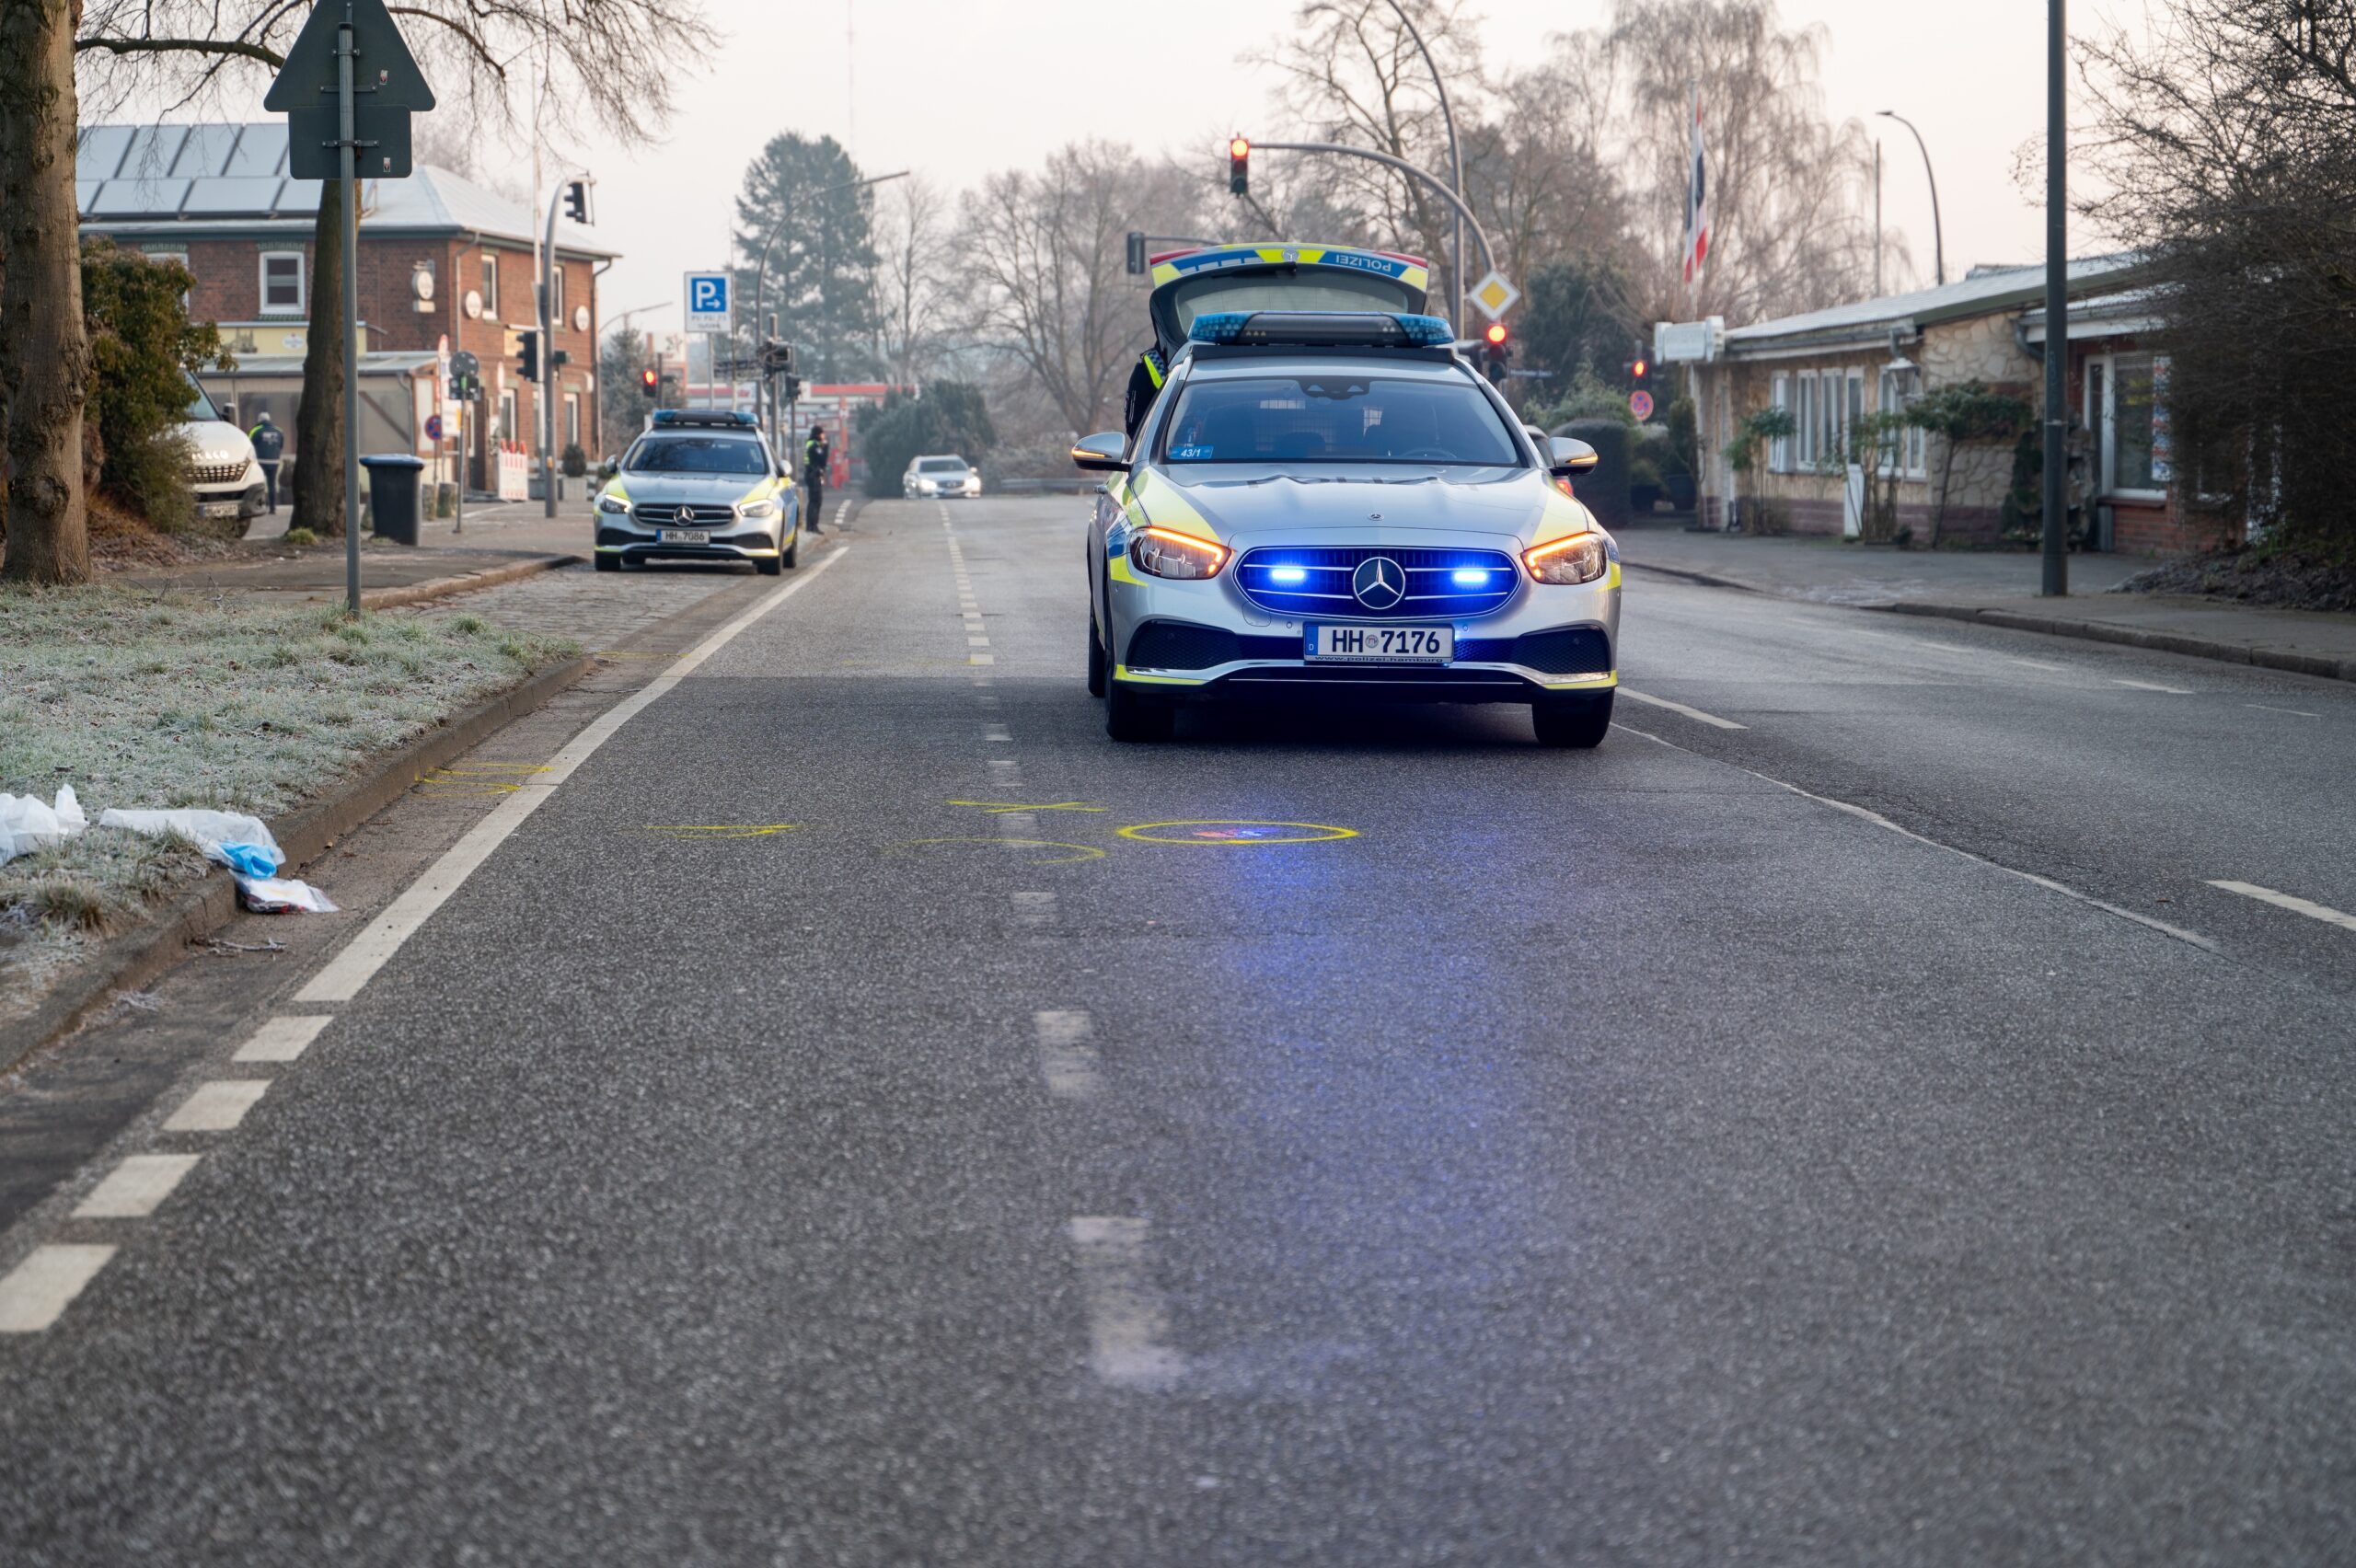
{"x": 140, "y": 699}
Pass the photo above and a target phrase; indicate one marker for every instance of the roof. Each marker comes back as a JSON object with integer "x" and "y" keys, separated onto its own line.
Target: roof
{"x": 140, "y": 176}
{"x": 377, "y": 362}
{"x": 1986, "y": 291}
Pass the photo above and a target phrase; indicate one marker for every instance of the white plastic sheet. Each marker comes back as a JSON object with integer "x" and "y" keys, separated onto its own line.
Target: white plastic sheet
{"x": 28, "y": 823}
{"x": 241, "y": 843}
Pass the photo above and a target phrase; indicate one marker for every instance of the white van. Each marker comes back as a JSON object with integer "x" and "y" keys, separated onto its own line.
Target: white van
{"x": 221, "y": 467}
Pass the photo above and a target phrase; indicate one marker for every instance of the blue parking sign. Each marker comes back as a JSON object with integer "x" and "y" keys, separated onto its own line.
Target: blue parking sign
{"x": 706, "y": 302}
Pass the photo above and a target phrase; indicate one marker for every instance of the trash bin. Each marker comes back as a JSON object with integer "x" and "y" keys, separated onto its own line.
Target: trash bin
{"x": 392, "y": 495}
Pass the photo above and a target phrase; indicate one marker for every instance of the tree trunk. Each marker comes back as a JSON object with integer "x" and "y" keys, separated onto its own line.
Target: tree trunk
{"x": 44, "y": 353}
{"x": 319, "y": 434}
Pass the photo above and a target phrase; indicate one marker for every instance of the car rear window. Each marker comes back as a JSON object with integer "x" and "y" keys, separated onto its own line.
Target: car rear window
{"x": 1344, "y": 416}
{"x": 695, "y": 454}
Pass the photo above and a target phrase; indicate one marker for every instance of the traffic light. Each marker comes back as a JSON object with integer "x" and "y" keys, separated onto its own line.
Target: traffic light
{"x": 1238, "y": 163}
{"x": 650, "y": 381}
{"x": 1640, "y": 370}
{"x": 527, "y": 355}
{"x": 1136, "y": 254}
{"x": 1495, "y": 351}
{"x": 576, "y": 200}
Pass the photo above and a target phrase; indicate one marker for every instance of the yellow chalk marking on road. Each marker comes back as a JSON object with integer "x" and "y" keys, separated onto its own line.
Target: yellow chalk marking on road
{"x": 491, "y": 770}
{"x": 1079, "y": 852}
{"x": 721, "y": 829}
{"x": 999, "y": 807}
{"x": 640, "y": 653}
{"x": 1233, "y": 833}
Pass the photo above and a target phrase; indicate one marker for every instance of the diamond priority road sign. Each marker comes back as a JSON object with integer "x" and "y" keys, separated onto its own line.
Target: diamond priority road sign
{"x": 706, "y": 304}
{"x": 1493, "y": 296}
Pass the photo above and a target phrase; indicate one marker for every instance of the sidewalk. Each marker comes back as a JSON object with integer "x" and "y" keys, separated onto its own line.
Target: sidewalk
{"x": 2000, "y": 588}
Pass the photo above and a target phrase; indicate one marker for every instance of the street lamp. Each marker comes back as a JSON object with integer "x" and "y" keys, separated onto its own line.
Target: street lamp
{"x": 761, "y": 272}
{"x": 1938, "y": 242}
{"x": 1455, "y": 160}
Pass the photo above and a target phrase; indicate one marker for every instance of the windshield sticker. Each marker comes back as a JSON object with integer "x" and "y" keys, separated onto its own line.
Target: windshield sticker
{"x": 1191, "y": 453}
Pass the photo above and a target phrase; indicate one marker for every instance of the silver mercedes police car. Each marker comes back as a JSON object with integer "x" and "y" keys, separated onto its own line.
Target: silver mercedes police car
{"x": 1336, "y": 503}
{"x": 700, "y": 484}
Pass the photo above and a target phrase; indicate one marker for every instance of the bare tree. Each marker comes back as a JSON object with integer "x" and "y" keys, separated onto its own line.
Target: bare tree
{"x": 44, "y": 353}
{"x": 1050, "y": 285}
{"x": 575, "y": 64}
{"x": 912, "y": 276}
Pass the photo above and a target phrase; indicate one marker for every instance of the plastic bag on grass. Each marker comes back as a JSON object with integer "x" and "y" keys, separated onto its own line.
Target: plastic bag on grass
{"x": 282, "y": 895}
{"x": 241, "y": 843}
{"x": 28, "y": 823}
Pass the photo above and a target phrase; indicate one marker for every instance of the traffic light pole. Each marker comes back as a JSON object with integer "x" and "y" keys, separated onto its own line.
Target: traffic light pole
{"x": 2056, "y": 576}
{"x": 1403, "y": 167}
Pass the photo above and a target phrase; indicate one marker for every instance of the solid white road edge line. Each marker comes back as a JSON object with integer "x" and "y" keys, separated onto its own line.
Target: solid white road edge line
{"x": 1681, "y": 708}
{"x": 2297, "y": 905}
{"x": 340, "y": 979}
{"x": 2271, "y": 708}
{"x": 1865, "y": 815}
{"x": 2147, "y": 686}
{"x": 37, "y": 1290}
{"x": 134, "y": 1189}
{"x": 1126, "y": 1321}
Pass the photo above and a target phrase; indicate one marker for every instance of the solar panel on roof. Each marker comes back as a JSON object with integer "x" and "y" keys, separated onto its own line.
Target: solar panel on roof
{"x": 254, "y": 198}
{"x": 153, "y": 148}
{"x": 85, "y": 191}
{"x": 260, "y": 150}
{"x": 205, "y": 151}
{"x": 101, "y": 152}
{"x": 297, "y": 198}
{"x": 139, "y": 197}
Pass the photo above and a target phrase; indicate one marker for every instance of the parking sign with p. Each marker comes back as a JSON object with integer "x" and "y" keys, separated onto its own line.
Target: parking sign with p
{"x": 707, "y": 302}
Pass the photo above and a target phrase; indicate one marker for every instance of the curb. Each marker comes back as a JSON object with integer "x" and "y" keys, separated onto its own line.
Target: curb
{"x": 442, "y": 587}
{"x": 1703, "y": 578}
{"x": 144, "y": 953}
{"x": 2135, "y": 637}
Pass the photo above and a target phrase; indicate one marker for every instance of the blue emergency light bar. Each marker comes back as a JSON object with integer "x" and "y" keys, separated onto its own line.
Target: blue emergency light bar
{"x": 1320, "y": 328}
{"x": 730, "y": 419}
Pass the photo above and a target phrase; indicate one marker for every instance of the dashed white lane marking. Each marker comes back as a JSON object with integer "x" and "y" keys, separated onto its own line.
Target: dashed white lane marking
{"x": 1035, "y": 908}
{"x": 134, "y": 1189}
{"x": 2147, "y": 686}
{"x": 1016, "y": 824}
{"x": 2271, "y": 708}
{"x": 2297, "y": 905}
{"x": 1681, "y": 708}
{"x": 981, "y": 658}
{"x": 1127, "y": 1323}
{"x": 281, "y": 1039}
{"x": 342, "y": 977}
{"x": 1865, "y": 815}
{"x": 37, "y": 1290}
{"x": 2033, "y": 663}
{"x": 997, "y": 732}
{"x": 217, "y": 1106}
{"x": 1067, "y": 1060}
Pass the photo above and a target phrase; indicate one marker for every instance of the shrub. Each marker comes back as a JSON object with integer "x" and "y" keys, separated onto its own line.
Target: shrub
{"x": 949, "y": 417}
{"x": 143, "y": 348}
{"x": 300, "y": 535}
{"x": 575, "y": 462}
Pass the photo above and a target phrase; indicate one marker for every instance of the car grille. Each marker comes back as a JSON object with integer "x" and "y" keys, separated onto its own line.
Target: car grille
{"x": 666, "y": 516}
{"x": 1431, "y": 593}
{"x": 216, "y": 473}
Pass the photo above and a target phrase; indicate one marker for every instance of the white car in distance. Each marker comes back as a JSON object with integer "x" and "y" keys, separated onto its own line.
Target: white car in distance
{"x": 221, "y": 465}
{"x": 939, "y": 475}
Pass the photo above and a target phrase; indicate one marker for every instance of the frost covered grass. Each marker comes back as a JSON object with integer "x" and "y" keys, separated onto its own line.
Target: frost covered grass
{"x": 141, "y": 700}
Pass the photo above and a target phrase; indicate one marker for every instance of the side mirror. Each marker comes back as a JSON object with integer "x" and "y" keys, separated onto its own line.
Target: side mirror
{"x": 228, "y": 412}
{"x": 1566, "y": 455}
{"x": 1106, "y": 452}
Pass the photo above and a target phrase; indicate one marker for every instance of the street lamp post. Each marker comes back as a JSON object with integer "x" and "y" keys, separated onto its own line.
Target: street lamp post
{"x": 2056, "y": 576}
{"x": 1938, "y": 240}
{"x": 1455, "y": 162}
{"x": 761, "y": 272}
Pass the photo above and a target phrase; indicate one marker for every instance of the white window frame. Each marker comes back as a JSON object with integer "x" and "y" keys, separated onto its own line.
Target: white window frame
{"x": 1852, "y": 408}
{"x": 2106, "y": 430}
{"x": 490, "y": 285}
{"x": 573, "y": 420}
{"x": 1779, "y": 451}
{"x": 556, "y": 297}
{"x": 302, "y": 283}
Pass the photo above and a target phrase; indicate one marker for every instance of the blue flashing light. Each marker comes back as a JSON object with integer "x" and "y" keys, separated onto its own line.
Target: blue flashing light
{"x": 1218, "y": 326}
{"x": 710, "y": 418}
{"x": 1429, "y": 331}
{"x": 1321, "y": 329}
{"x": 1292, "y": 576}
{"x": 1469, "y": 577}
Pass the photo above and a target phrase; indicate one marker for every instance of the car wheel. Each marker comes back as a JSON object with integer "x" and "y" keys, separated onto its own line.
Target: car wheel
{"x": 609, "y": 562}
{"x": 1132, "y": 715}
{"x": 769, "y": 566}
{"x": 791, "y": 554}
{"x": 1575, "y": 722}
{"x": 1096, "y": 660}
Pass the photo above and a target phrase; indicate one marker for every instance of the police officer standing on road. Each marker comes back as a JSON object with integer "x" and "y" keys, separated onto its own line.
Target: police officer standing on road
{"x": 1145, "y": 384}
{"x": 270, "y": 445}
{"x": 816, "y": 455}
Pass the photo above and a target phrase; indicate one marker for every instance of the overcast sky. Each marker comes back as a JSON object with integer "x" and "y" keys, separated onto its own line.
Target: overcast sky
{"x": 956, "y": 88}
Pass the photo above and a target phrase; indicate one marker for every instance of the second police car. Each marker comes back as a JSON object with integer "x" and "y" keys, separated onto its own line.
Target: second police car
{"x": 699, "y": 484}
{"x": 1331, "y": 501}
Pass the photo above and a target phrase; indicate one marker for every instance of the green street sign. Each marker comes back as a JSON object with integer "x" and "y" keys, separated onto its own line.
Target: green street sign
{"x": 383, "y": 68}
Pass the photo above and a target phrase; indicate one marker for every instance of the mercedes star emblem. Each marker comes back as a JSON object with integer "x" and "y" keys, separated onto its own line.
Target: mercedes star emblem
{"x": 687, "y": 514}
{"x": 1380, "y": 582}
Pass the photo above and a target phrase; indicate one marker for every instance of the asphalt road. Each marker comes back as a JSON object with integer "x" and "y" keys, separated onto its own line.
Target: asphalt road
{"x": 840, "y": 1120}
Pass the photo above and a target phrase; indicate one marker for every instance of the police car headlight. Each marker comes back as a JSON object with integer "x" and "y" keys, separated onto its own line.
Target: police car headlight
{"x": 1163, "y": 552}
{"x": 613, "y": 505}
{"x": 758, "y": 509}
{"x": 1567, "y": 562}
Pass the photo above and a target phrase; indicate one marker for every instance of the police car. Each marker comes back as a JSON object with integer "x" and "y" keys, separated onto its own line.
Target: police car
{"x": 700, "y": 484}
{"x": 1325, "y": 503}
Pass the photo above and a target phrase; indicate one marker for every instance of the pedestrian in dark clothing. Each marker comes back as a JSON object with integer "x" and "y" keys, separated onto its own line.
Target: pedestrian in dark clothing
{"x": 270, "y": 445}
{"x": 815, "y": 455}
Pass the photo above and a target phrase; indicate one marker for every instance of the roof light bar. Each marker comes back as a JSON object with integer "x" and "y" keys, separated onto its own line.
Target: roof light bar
{"x": 1320, "y": 328}
{"x": 733, "y": 418}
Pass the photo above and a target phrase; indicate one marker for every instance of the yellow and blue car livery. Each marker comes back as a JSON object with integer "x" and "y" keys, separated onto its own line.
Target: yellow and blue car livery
{"x": 699, "y": 484}
{"x": 1324, "y": 504}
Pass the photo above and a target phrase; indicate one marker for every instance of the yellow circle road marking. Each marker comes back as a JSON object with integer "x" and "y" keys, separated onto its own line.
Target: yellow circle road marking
{"x": 1079, "y": 852}
{"x": 722, "y": 830}
{"x": 1233, "y": 833}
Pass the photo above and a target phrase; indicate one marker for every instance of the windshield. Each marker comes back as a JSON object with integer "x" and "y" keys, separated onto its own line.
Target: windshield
{"x": 200, "y": 405}
{"x": 1319, "y": 290}
{"x": 1340, "y": 416}
{"x": 695, "y": 454}
{"x": 941, "y": 465}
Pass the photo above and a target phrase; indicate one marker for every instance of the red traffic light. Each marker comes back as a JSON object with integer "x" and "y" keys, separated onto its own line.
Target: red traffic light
{"x": 1239, "y": 147}
{"x": 648, "y": 379}
{"x": 1495, "y": 334}
{"x": 1238, "y": 163}
{"x": 1640, "y": 368}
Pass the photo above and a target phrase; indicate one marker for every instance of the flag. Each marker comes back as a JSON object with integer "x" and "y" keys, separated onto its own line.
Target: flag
{"x": 1697, "y": 209}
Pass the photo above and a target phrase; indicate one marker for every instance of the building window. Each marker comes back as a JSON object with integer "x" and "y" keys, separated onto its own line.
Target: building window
{"x": 507, "y": 414}
{"x": 1908, "y": 447}
{"x": 572, "y": 419}
{"x": 1779, "y": 451}
{"x": 556, "y": 297}
{"x": 490, "y": 287}
{"x": 2131, "y": 403}
{"x": 1807, "y": 425}
{"x": 281, "y": 282}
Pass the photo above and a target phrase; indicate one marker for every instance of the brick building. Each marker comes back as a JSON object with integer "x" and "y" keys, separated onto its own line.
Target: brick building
{"x": 1827, "y": 368}
{"x": 440, "y": 258}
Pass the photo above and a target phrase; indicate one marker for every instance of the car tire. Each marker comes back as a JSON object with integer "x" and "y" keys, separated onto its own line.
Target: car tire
{"x": 609, "y": 562}
{"x": 1132, "y": 715}
{"x": 1577, "y": 722}
{"x": 769, "y": 566}
{"x": 791, "y": 554}
{"x": 1098, "y": 669}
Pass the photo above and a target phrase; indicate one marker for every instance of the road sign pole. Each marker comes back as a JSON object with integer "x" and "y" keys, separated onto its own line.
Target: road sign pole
{"x": 350, "y": 155}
